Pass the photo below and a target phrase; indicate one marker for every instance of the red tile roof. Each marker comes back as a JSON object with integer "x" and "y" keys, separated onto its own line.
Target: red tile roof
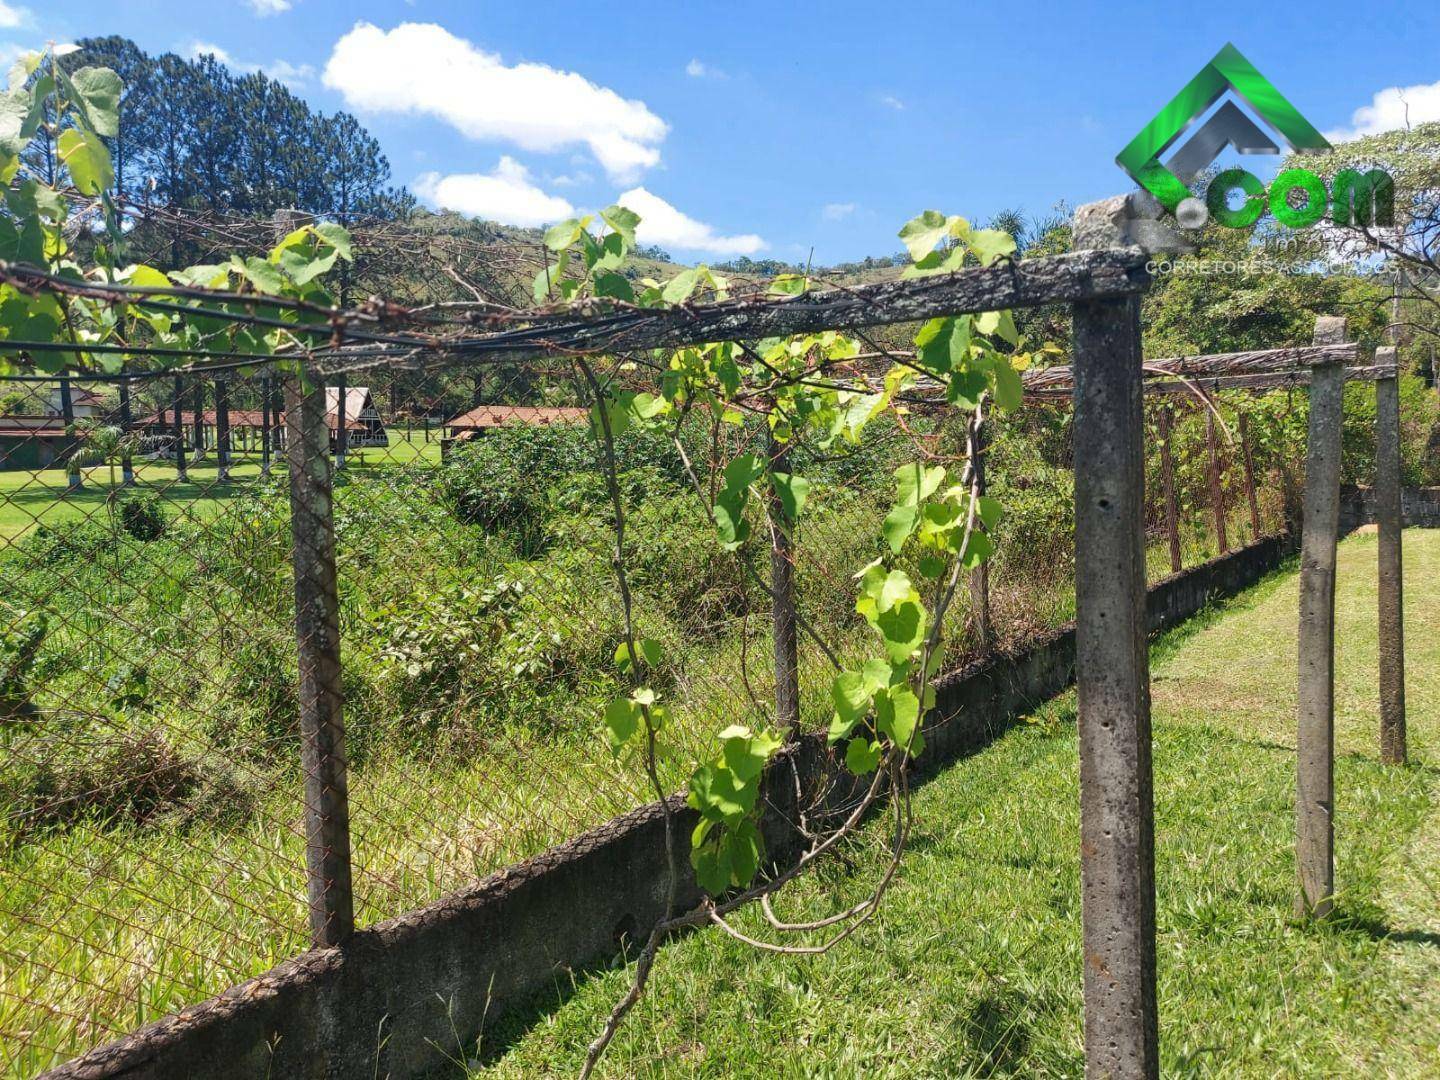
{"x": 493, "y": 416}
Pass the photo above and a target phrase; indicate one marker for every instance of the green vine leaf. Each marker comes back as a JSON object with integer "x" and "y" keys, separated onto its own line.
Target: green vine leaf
{"x": 1009, "y": 391}
{"x": 920, "y": 234}
{"x": 96, "y": 91}
{"x": 622, "y": 721}
{"x": 862, "y": 756}
{"x": 987, "y": 245}
{"x": 648, "y": 648}
{"x": 85, "y": 155}
{"x": 793, "y": 491}
{"x": 623, "y": 220}
{"x": 678, "y": 289}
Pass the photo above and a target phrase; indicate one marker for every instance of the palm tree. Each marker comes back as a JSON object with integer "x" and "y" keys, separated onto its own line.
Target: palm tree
{"x": 104, "y": 444}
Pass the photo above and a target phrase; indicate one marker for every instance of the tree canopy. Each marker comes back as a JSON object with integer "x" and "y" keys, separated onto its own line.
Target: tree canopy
{"x": 191, "y": 133}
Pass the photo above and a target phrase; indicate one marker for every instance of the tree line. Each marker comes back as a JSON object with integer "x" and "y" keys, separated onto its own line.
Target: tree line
{"x": 193, "y": 134}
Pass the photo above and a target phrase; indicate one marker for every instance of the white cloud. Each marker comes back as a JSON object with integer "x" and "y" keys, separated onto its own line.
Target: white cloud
{"x": 282, "y": 71}
{"x": 506, "y": 195}
{"x": 661, "y": 223}
{"x": 292, "y": 75}
{"x": 890, "y": 101}
{"x": 10, "y": 53}
{"x": 423, "y": 68}
{"x": 268, "y": 7}
{"x": 1392, "y": 109}
{"x": 837, "y": 211}
{"x": 12, "y": 18}
{"x": 197, "y": 49}
{"x": 698, "y": 69}
{"x": 572, "y": 179}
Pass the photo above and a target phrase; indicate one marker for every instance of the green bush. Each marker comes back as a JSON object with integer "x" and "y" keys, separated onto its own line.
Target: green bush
{"x": 23, "y": 634}
{"x": 511, "y": 480}
{"x": 136, "y": 777}
{"x": 142, "y": 518}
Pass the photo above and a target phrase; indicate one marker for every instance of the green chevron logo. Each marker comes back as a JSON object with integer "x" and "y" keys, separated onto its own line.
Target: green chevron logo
{"x": 1362, "y": 199}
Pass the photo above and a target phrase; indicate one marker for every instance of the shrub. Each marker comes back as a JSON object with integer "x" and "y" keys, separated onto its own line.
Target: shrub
{"x": 127, "y": 777}
{"x": 511, "y": 480}
{"x": 142, "y": 518}
{"x": 21, "y": 639}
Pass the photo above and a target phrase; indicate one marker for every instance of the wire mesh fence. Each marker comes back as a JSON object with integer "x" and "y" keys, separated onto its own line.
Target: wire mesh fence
{"x": 157, "y": 771}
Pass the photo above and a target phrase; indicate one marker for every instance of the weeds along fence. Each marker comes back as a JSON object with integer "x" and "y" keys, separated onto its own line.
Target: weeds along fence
{"x": 284, "y": 658}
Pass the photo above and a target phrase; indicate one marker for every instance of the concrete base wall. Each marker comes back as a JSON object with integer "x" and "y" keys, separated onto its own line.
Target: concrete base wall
{"x": 1421, "y": 507}
{"x": 393, "y": 1000}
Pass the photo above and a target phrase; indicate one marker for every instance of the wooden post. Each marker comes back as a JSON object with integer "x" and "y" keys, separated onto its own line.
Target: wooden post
{"x": 1217, "y": 490}
{"x": 1389, "y": 516}
{"x": 980, "y": 576}
{"x": 222, "y": 428}
{"x": 127, "y": 421}
{"x": 1167, "y": 478}
{"x": 1249, "y": 462}
{"x": 317, "y": 633}
{"x": 1117, "y": 825}
{"x": 181, "y": 466}
{"x": 1315, "y": 733}
{"x": 782, "y": 601}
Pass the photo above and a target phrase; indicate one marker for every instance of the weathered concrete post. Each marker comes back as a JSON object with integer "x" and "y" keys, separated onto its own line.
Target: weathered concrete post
{"x": 1117, "y": 828}
{"x": 1217, "y": 489}
{"x": 782, "y": 600}
{"x": 1167, "y": 478}
{"x": 1389, "y": 518}
{"x": 1251, "y": 498}
{"x": 1315, "y": 733}
{"x": 979, "y": 578}
{"x": 317, "y": 634}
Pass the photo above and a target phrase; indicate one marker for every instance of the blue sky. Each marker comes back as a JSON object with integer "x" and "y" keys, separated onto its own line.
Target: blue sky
{"x": 769, "y": 129}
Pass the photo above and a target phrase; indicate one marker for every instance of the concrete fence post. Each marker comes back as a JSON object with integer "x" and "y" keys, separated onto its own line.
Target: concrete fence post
{"x": 317, "y": 634}
{"x": 979, "y": 578}
{"x": 1315, "y": 731}
{"x": 782, "y": 601}
{"x": 1389, "y": 517}
{"x": 1117, "y": 863}
{"x": 1167, "y": 479}
{"x": 1217, "y": 488}
{"x": 1251, "y": 497}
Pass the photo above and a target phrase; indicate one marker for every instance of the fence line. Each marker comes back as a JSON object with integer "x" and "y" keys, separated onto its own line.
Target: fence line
{"x": 334, "y": 486}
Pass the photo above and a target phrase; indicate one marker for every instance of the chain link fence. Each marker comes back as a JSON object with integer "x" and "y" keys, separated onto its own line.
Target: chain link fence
{"x": 153, "y": 542}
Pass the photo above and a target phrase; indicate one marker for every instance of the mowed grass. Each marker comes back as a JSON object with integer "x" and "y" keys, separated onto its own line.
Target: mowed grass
{"x": 973, "y": 967}
{"x": 29, "y": 499}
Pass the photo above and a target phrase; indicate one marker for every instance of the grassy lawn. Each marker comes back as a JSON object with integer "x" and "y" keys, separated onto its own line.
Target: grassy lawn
{"x": 973, "y": 966}
{"x": 28, "y": 499}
